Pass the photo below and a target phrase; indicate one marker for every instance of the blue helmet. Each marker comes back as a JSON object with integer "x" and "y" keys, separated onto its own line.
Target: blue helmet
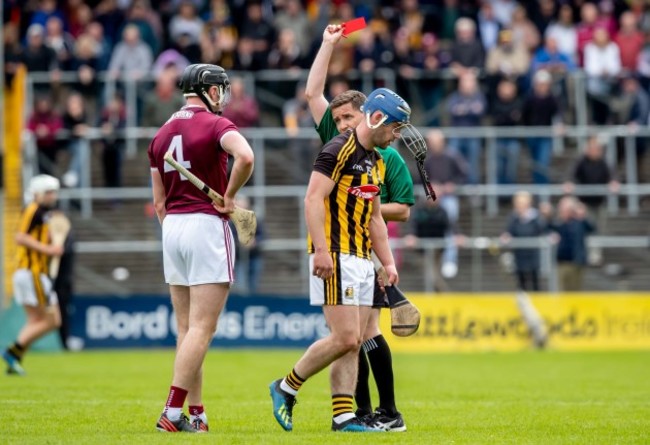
{"x": 394, "y": 108}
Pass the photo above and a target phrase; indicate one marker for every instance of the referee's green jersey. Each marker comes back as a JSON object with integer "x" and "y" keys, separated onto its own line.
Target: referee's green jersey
{"x": 398, "y": 184}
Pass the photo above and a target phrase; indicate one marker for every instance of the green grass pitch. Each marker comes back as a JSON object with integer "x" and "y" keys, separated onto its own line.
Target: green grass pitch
{"x": 115, "y": 397}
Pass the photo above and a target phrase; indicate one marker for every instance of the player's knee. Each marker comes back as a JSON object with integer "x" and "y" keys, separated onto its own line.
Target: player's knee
{"x": 348, "y": 343}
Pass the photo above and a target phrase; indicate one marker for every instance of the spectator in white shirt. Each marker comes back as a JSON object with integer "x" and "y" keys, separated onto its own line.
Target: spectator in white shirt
{"x": 503, "y": 10}
{"x": 186, "y": 22}
{"x": 564, "y": 32}
{"x": 602, "y": 66}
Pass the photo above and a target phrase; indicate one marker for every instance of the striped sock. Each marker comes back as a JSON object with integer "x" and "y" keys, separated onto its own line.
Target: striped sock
{"x": 342, "y": 407}
{"x": 17, "y": 350}
{"x": 292, "y": 383}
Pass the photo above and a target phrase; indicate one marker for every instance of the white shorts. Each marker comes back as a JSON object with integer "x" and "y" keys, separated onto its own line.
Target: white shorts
{"x": 197, "y": 249}
{"x": 353, "y": 282}
{"x": 31, "y": 289}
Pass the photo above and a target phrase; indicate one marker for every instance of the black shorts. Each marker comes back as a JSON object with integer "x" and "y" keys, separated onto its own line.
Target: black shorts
{"x": 380, "y": 299}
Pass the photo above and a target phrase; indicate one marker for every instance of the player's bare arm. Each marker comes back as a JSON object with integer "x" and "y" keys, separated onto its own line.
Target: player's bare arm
{"x": 28, "y": 241}
{"x": 315, "y": 88}
{"x": 319, "y": 188}
{"x": 237, "y": 146}
{"x": 379, "y": 238}
{"x": 395, "y": 211}
{"x": 158, "y": 195}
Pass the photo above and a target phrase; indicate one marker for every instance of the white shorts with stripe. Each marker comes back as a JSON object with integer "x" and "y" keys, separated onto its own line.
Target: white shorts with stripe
{"x": 352, "y": 283}
{"x": 197, "y": 249}
{"x": 33, "y": 289}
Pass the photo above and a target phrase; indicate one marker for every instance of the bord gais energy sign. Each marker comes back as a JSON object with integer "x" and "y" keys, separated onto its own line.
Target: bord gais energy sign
{"x": 492, "y": 322}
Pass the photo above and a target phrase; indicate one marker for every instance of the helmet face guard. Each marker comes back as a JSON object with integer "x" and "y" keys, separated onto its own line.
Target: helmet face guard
{"x": 197, "y": 79}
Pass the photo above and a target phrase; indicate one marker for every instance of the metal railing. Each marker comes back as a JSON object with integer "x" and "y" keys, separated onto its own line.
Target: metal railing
{"x": 545, "y": 244}
{"x": 260, "y": 137}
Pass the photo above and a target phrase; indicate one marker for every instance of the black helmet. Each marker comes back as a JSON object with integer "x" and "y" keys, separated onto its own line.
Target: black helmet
{"x": 197, "y": 79}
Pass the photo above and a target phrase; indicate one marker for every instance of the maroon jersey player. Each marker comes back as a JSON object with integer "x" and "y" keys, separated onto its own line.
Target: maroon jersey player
{"x": 198, "y": 246}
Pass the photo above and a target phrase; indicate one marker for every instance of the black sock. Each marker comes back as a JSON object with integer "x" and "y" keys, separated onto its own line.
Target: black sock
{"x": 381, "y": 363}
{"x": 17, "y": 350}
{"x": 362, "y": 393}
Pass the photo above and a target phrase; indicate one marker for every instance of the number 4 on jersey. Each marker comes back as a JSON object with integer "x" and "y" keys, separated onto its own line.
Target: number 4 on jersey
{"x": 176, "y": 146}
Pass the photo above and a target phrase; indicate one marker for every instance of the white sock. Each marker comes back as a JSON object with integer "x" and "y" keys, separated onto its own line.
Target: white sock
{"x": 201, "y": 416}
{"x": 286, "y": 388}
{"x": 173, "y": 414}
{"x": 343, "y": 417}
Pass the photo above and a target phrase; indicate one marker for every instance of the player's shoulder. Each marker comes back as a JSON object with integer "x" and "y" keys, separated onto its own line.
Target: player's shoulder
{"x": 391, "y": 155}
{"x": 337, "y": 143}
{"x": 31, "y": 208}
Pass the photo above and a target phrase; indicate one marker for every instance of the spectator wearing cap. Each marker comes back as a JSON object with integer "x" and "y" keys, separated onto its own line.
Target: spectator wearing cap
{"x": 508, "y": 60}
{"x": 541, "y": 108}
{"x": 630, "y": 41}
{"x": 602, "y": 62}
{"x": 466, "y": 52}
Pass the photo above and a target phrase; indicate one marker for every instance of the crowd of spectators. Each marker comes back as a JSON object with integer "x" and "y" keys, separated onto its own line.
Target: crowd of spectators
{"x": 461, "y": 62}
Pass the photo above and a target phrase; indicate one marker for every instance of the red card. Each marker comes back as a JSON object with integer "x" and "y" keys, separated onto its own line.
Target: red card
{"x": 353, "y": 25}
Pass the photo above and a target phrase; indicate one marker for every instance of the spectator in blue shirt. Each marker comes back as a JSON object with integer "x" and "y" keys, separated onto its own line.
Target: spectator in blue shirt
{"x": 551, "y": 59}
{"x": 572, "y": 228}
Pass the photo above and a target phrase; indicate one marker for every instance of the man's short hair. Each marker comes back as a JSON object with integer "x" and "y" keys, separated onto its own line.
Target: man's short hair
{"x": 353, "y": 97}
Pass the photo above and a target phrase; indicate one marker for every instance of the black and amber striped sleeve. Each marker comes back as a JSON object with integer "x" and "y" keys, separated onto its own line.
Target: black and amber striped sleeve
{"x": 333, "y": 157}
{"x": 31, "y": 217}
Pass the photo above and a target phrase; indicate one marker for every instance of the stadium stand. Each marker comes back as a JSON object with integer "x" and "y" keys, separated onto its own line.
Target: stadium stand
{"x": 413, "y": 47}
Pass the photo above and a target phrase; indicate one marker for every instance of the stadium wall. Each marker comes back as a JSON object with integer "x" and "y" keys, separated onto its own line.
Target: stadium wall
{"x": 453, "y": 323}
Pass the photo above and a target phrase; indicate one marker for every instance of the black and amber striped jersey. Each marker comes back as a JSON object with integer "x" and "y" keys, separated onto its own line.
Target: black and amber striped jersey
{"x": 33, "y": 222}
{"x": 358, "y": 174}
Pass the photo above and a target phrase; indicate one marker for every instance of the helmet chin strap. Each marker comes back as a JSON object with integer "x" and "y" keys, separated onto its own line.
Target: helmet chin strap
{"x": 378, "y": 124}
{"x": 214, "y": 106}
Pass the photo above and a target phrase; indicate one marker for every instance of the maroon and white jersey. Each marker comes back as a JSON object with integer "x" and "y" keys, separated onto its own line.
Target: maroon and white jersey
{"x": 194, "y": 136}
